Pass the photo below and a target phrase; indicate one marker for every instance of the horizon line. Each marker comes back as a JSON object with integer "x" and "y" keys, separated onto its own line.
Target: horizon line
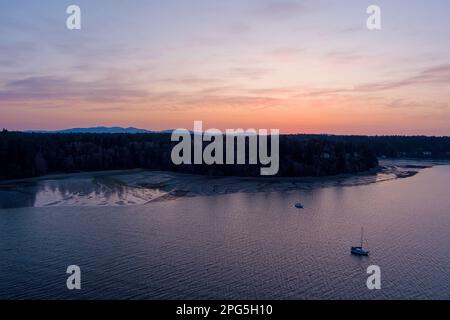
{"x": 64, "y": 131}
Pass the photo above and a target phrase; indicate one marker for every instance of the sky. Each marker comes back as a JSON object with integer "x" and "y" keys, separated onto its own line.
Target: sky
{"x": 306, "y": 66}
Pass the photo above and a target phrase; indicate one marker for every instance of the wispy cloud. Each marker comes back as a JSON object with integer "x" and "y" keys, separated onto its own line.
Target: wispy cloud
{"x": 281, "y": 9}
{"x": 436, "y": 75}
{"x": 250, "y": 73}
{"x": 189, "y": 81}
{"x": 48, "y": 88}
{"x": 410, "y": 105}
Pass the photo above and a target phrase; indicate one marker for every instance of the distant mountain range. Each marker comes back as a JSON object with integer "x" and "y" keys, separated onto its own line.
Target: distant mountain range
{"x": 129, "y": 130}
{"x": 99, "y": 130}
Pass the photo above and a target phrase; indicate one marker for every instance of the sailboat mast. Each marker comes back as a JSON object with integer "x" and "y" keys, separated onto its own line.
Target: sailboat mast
{"x": 362, "y": 231}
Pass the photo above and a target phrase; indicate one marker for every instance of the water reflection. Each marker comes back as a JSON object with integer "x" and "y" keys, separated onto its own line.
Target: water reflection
{"x": 141, "y": 187}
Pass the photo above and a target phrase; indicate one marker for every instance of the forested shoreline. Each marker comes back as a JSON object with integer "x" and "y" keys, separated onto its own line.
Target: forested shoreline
{"x": 24, "y": 155}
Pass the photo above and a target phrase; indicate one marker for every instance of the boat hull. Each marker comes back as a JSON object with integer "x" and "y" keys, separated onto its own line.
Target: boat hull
{"x": 359, "y": 251}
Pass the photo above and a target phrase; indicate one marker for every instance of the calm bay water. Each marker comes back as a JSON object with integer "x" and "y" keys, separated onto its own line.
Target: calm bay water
{"x": 239, "y": 245}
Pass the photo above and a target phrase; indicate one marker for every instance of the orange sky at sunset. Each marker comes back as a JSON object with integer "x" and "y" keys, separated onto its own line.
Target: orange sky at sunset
{"x": 297, "y": 66}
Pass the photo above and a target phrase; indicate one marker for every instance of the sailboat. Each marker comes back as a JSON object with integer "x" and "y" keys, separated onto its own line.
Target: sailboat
{"x": 360, "y": 251}
{"x": 299, "y": 205}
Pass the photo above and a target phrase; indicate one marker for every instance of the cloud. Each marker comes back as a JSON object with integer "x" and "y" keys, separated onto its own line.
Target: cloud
{"x": 15, "y": 55}
{"x": 340, "y": 57}
{"x": 115, "y": 94}
{"x": 408, "y": 104}
{"x": 48, "y": 88}
{"x": 434, "y": 75}
{"x": 286, "y": 55}
{"x": 48, "y": 92}
{"x": 251, "y": 73}
{"x": 188, "y": 80}
{"x": 280, "y": 9}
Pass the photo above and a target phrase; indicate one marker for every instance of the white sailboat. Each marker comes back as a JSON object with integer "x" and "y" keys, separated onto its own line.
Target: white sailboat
{"x": 360, "y": 251}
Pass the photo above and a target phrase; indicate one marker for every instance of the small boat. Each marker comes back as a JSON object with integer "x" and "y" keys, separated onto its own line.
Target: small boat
{"x": 299, "y": 206}
{"x": 360, "y": 251}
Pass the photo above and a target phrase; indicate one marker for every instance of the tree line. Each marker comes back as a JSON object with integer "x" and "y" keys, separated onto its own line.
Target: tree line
{"x": 24, "y": 155}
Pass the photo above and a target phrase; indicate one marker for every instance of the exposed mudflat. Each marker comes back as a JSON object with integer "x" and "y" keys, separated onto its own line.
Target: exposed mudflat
{"x": 138, "y": 187}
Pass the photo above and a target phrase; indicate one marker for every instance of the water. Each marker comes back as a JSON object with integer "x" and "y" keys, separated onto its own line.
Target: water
{"x": 240, "y": 245}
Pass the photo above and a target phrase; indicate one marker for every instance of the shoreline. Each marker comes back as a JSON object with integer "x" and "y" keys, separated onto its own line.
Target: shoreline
{"x": 379, "y": 168}
{"x": 143, "y": 187}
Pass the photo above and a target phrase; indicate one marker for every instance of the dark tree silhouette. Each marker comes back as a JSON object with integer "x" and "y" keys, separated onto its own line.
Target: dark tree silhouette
{"x": 25, "y": 155}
